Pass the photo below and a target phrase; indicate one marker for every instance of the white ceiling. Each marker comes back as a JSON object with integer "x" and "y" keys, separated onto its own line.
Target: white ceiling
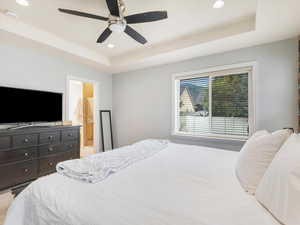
{"x": 193, "y": 28}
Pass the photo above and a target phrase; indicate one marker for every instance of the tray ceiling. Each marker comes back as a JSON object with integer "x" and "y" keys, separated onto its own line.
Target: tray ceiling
{"x": 192, "y": 25}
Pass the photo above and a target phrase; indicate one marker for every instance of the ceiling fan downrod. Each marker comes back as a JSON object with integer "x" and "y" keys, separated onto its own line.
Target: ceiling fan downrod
{"x": 122, "y": 8}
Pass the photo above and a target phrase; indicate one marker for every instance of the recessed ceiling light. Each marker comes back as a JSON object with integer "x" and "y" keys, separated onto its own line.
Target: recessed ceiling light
{"x": 219, "y": 4}
{"x": 11, "y": 14}
{"x": 8, "y": 13}
{"x": 23, "y": 2}
{"x": 110, "y": 45}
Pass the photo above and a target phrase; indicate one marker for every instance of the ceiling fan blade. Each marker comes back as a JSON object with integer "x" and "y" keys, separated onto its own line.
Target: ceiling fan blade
{"x": 83, "y": 14}
{"x": 147, "y": 17}
{"x": 113, "y": 7}
{"x": 107, "y": 32}
{"x": 135, "y": 35}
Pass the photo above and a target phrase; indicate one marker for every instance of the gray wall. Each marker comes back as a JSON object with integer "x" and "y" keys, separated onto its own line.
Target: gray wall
{"x": 142, "y": 99}
{"x": 28, "y": 64}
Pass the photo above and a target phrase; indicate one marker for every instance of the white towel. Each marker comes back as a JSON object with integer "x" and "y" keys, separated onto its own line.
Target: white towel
{"x": 98, "y": 167}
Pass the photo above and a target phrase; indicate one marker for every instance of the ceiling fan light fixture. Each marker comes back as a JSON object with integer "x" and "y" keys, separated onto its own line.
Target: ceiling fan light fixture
{"x": 117, "y": 27}
{"x": 23, "y": 2}
{"x": 110, "y": 45}
{"x": 219, "y": 4}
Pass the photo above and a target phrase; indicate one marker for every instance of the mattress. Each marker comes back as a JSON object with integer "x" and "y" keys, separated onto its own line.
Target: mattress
{"x": 181, "y": 185}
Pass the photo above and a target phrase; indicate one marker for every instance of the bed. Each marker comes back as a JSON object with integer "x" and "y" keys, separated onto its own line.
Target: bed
{"x": 181, "y": 185}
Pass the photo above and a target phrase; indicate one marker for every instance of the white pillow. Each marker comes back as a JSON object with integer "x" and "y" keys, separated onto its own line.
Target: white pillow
{"x": 279, "y": 190}
{"x": 256, "y": 156}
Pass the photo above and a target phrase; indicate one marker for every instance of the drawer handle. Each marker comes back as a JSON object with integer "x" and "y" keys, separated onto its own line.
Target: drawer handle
{"x": 51, "y": 138}
{"x": 50, "y": 164}
{"x": 70, "y": 134}
{"x": 50, "y": 149}
{"x": 26, "y": 140}
{"x": 26, "y": 170}
{"x": 26, "y": 154}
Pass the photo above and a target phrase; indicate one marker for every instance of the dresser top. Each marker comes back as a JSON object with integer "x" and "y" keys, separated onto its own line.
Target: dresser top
{"x": 37, "y": 129}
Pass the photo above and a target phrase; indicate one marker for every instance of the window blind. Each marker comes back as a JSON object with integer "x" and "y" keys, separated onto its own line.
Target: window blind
{"x": 229, "y": 102}
{"x": 194, "y": 105}
{"x": 214, "y": 104}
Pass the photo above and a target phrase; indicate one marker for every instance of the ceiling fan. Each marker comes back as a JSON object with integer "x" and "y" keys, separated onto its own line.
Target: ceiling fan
{"x": 118, "y": 22}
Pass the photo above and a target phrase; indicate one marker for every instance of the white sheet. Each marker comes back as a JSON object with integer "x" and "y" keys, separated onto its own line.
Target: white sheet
{"x": 181, "y": 185}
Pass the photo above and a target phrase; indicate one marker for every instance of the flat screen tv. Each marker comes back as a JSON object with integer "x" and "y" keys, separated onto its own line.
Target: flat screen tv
{"x": 29, "y": 106}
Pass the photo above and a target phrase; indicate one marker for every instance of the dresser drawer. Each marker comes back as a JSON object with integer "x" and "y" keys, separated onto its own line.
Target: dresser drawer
{"x": 66, "y": 156}
{"x": 50, "y": 138}
{"x": 70, "y": 134}
{"x": 18, "y": 155}
{"x": 48, "y": 165}
{"x": 54, "y": 149}
{"x": 17, "y": 173}
{"x": 25, "y": 140}
{"x": 4, "y": 143}
{"x": 50, "y": 149}
{"x": 70, "y": 146}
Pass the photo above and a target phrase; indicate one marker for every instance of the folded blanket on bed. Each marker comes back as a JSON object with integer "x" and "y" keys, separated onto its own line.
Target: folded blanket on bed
{"x": 98, "y": 167}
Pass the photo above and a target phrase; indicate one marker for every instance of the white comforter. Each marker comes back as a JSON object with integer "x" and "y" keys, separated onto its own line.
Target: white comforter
{"x": 181, "y": 185}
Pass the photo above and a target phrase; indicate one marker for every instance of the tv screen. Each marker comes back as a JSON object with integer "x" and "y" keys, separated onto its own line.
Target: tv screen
{"x": 25, "y": 106}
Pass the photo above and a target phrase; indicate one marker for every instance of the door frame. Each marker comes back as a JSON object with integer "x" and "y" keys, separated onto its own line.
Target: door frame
{"x": 96, "y": 86}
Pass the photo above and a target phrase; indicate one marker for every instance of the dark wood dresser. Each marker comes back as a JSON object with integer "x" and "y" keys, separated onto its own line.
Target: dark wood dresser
{"x": 30, "y": 153}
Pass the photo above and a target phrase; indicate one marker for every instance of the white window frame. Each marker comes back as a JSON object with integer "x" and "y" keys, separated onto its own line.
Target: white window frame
{"x": 215, "y": 71}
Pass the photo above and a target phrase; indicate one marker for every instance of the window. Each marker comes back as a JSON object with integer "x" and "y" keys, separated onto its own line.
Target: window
{"x": 217, "y": 103}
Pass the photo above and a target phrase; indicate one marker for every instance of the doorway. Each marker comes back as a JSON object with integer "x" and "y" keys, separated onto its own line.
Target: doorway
{"x": 81, "y": 110}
